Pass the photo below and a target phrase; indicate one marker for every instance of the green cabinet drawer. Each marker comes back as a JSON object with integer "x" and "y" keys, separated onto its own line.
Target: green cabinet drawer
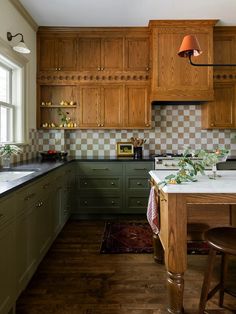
{"x": 99, "y": 168}
{"x": 105, "y": 202}
{"x": 137, "y": 183}
{"x": 136, "y": 204}
{"x": 140, "y": 168}
{"x": 107, "y": 184}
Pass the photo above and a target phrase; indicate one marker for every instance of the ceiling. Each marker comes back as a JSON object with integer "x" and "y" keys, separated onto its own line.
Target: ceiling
{"x": 126, "y": 12}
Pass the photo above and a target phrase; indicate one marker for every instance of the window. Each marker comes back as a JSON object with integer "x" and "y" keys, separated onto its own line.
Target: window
{"x": 11, "y": 101}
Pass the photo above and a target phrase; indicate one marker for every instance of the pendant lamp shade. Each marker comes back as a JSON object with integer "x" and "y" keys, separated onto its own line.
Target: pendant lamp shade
{"x": 189, "y": 47}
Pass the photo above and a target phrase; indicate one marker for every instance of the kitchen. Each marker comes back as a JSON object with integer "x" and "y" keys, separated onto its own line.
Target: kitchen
{"x": 172, "y": 126}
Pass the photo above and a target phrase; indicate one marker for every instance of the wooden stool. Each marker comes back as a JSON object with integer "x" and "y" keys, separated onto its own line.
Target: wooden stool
{"x": 220, "y": 239}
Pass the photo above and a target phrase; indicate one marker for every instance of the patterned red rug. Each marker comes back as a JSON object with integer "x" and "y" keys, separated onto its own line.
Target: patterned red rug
{"x": 136, "y": 237}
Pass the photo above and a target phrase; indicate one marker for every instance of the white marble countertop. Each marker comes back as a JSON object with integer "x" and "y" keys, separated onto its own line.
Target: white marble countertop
{"x": 226, "y": 183}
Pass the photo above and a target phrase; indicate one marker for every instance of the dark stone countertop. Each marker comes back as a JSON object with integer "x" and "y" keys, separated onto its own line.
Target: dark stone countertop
{"x": 41, "y": 168}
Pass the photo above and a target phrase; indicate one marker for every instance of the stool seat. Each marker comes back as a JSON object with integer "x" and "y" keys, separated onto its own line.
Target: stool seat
{"x": 220, "y": 239}
{"x": 223, "y": 239}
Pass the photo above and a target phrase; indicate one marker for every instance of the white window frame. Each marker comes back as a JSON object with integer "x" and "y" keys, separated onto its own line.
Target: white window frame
{"x": 18, "y": 64}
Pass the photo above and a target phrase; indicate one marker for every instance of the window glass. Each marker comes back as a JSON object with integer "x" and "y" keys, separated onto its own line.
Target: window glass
{"x": 11, "y": 104}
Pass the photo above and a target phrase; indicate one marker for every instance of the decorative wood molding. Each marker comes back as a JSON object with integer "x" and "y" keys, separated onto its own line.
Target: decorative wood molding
{"x": 74, "y": 78}
{"x": 25, "y": 14}
{"x": 223, "y": 76}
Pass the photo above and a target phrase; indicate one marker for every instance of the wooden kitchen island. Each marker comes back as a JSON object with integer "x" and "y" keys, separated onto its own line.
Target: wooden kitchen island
{"x": 174, "y": 200}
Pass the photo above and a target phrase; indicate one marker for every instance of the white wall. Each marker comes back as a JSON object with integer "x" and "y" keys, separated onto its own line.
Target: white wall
{"x": 12, "y": 21}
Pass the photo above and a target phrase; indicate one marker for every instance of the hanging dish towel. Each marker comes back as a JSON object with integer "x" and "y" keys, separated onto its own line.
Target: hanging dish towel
{"x": 153, "y": 210}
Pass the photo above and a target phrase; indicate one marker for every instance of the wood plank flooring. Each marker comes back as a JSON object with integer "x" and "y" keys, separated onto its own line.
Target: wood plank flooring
{"x": 74, "y": 278}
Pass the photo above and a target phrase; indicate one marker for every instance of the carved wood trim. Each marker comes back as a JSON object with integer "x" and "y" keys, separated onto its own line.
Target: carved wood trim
{"x": 73, "y": 78}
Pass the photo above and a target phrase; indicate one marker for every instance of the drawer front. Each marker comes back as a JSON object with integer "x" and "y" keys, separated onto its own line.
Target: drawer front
{"x": 139, "y": 168}
{"x": 137, "y": 183}
{"x": 108, "y": 184}
{"x": 99, "y": 168}
{"x": 101, "y": 203}
{"x": 7, "y": 210}
{"x": 136, "y": 204}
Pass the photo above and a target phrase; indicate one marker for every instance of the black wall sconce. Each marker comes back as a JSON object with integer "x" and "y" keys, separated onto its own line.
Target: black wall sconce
{"x": 21, "y": 46}
{"x": 190, "y": 47}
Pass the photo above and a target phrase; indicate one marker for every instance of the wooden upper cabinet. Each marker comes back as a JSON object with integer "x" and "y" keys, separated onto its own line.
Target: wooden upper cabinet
{"x": 101, "y": 54}
{"x": 173, "y": 78}
{"x": 137, "y": 107}
{"x": 101, "y": 106}
{"x": 221, "y": 113}
{"x": 225, "y": 47}
{"x": 89, "y": 115}
{"x": 112, "y": 97}
{"x": 57, "y": 53}
{"x": 137, "y": 54}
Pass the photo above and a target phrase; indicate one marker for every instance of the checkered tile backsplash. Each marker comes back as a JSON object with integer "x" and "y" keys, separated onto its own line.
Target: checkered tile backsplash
{"x": 173, "y": 127}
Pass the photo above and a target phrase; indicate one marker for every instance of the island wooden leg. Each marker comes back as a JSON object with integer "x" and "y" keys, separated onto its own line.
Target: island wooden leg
{"x": 175, "y": 288}
{"x": 158, "y": 252}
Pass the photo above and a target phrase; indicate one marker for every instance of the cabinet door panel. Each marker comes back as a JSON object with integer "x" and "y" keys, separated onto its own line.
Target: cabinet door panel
{"x": 137, "y": 106}
{"x": 89, "y": 54}
{"x": 221, "y": 112}
{"x": 7, "y": 269}
{"x": 137, "y": 54}
{"x": 47, "y": 54}
{"x": 89, "y": 106}
{"x": 112, "y": 106}
{"x": 67, "y": 54}
{"x": 112, "y": 54}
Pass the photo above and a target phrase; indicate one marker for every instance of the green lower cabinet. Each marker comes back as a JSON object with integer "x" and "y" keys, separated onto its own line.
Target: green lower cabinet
{"x": 136, "y": 204}
{"x": 112, "y": 187}
{"x": 137, "y": 186}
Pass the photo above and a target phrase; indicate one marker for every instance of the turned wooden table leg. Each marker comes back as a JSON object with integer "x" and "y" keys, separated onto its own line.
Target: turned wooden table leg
{"x": 175, "y": 288}
{"x": 158, "y": 252}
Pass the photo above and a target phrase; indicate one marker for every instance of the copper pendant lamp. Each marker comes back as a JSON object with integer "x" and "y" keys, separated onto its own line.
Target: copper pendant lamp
{"x": 190, "y": 47}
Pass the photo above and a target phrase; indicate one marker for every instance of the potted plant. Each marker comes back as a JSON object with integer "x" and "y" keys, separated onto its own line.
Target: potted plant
{"x": 6, "y": 151}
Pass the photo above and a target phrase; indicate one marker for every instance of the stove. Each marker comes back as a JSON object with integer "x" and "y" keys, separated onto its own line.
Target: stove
{"x": 169, "y": 161}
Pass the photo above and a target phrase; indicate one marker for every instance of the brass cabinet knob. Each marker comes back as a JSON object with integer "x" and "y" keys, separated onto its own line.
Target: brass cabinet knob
{"x": 99, "y": 69}
{"x": 147, "y": 124}
{"x": 102, "y": 69}
{"x": 147, "y": 68}
{"x": 112, "y": 183}
{"x": 113, "y": 202}
{"x": 212, "y": 124}
{"x": 138, "y": 202}
{"x": 59, "y": 69}
{"x": 101, "y": 124}
{"x": 85, "y": 183}
{"x": 138, "y": 183}
{"x": 85, "y": 202}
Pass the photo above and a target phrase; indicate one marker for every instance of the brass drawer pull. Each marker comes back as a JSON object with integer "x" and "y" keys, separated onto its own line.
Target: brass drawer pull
{"x": 85, "y": 202}
{"x": 138, "y": 202}
{"x": 113, "y": 202}
{"x": 140, "y": 169}
{"x": 85, "y": 183}
{"x": 40, "y": 204}
{"x": 139, "y": 183}
{"x": 112, "y": 183}
{"x": 100, "y": 169}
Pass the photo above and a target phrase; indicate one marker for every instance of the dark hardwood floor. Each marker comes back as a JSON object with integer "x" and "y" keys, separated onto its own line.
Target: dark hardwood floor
{"x": 74, "y": 278}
